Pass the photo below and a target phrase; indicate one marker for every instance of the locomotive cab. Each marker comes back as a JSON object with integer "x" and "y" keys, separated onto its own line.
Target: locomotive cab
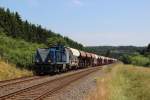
{"x": 53, "y": 59}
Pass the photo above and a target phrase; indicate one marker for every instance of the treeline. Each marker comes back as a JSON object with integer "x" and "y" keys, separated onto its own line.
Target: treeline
{"x": 142, "y": 58}
{"x": 127, "y": 54}
{"x": 12, "y": 24}
{"x": 114, "y": 51}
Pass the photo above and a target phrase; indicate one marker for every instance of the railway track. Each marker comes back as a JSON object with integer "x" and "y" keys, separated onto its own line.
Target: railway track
{"x": 5, "y": 81}
{"x": 11, "y": 86}
{"x": 18, "y": 80}
{"x": 42, "y": 90}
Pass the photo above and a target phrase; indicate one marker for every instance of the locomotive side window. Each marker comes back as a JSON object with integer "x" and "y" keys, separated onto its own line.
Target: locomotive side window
{"x": 52, "y": 55}
{"x": 63, "y": 57}
{"x": 58, "y": 56}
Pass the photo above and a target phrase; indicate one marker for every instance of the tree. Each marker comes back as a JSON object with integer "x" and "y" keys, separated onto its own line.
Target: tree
{"x": 148, "y": 48}
{"x": 146, "y": 51}
{"x": 107, "y": 53}
{"x": 56, "y": 41}
{"x": 126, "y": 59}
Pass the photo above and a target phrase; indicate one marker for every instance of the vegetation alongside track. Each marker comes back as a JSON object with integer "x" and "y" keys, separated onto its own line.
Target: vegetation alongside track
{"x": 10, "y": 71}
{"x": 128, "y": 54}
{"x": 123, "y": 82}
{"x": 137, "y": 59}
{"x": 17, "y": 51}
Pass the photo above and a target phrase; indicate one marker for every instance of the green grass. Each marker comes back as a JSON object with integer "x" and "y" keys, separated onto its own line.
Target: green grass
{"x": 17, "y": 51}
{"x": 129, "y": 82}
{"x": 122, "y": 82}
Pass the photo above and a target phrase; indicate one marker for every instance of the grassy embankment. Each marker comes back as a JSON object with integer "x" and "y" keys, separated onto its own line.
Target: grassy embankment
{"x": 17, "y": 52}
{"x": 10, "y": 71}
{"x": 123, "y": 82}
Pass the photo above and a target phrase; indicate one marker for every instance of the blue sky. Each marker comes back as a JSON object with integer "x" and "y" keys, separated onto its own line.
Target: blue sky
{"x": 90, "y": 22}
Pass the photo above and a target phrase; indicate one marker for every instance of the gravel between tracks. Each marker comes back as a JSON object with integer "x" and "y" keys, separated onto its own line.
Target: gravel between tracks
{"x": 79, "y": 89}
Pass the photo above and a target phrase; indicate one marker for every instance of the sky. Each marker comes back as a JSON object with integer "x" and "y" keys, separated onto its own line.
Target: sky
{"x": 90, "y": 22}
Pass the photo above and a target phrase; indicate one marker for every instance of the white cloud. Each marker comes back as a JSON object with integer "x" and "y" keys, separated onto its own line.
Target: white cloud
{"x": 77, "y": 2}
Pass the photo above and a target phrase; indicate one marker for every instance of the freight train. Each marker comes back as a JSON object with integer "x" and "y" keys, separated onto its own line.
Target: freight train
{"x": 60, "y": 58}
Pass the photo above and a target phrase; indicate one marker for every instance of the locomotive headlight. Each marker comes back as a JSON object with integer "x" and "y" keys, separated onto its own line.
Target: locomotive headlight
{"x": 37, "y": 60}
{"x": 49, "y": 61}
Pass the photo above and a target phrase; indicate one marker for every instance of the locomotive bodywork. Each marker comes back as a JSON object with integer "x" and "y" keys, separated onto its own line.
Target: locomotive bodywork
{"x": 51, "y": 59}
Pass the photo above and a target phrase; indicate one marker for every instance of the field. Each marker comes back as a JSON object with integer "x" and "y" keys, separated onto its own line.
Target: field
{"x": 123, "y": 82}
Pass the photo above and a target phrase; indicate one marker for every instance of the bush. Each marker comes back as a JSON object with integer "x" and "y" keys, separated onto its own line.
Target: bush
{"x": 140, "y": 60}
{"x": 136, "y": 60}
{"x": 126, "y": 59}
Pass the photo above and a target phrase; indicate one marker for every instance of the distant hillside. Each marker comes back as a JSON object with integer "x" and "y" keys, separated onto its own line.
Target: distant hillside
{"x": 12, "y": 24}
{"x": 128, "y": 54}
{"x": 114, "y": 51}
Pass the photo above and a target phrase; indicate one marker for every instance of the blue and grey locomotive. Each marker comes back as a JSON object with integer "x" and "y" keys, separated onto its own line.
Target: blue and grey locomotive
{"x": 51, "y": 59}
{"x": 56, "y": 59}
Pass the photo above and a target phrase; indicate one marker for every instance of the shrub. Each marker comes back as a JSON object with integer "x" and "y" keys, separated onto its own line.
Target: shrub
{"x": 140, "y": 60}
{"x": 136, "y": 60}
{"x": 126, "y": 59}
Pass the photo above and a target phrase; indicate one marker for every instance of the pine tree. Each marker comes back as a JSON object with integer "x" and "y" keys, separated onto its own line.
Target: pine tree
{"x": 148, "y": 48}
